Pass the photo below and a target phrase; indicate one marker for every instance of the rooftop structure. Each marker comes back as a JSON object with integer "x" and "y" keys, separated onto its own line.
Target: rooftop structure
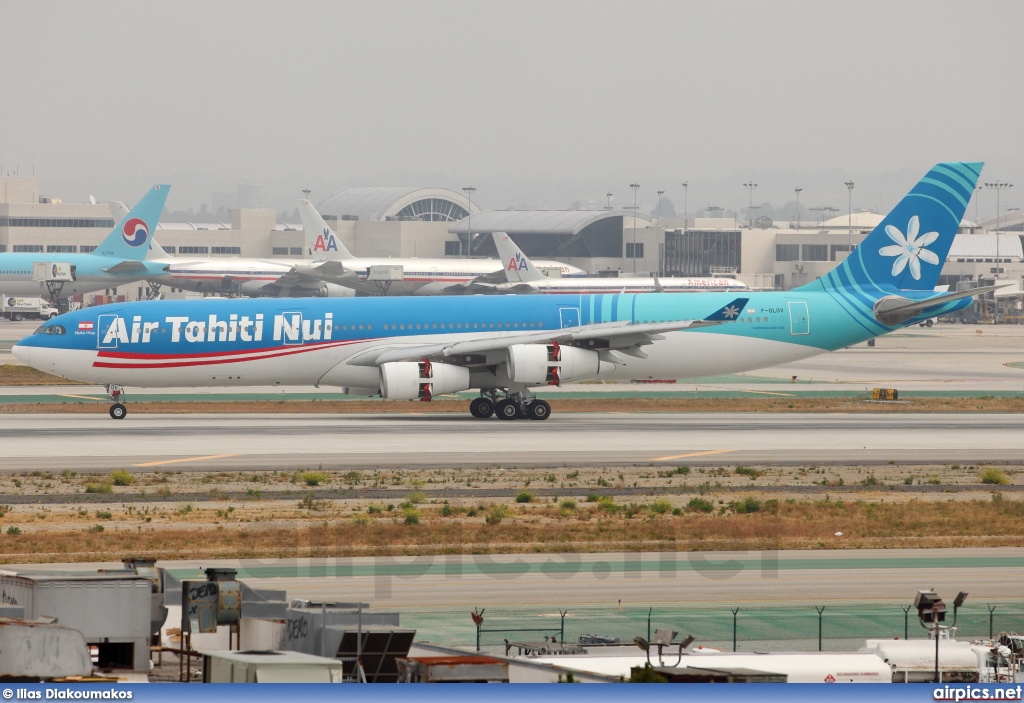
{"x": 424, "y": 204}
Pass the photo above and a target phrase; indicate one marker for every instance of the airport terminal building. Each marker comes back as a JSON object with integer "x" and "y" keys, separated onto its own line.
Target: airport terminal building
{"x": 440, "y": 222}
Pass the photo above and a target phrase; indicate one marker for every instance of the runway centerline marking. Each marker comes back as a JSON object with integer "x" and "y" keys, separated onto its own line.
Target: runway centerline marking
{"x": 83, "y": 397}
{"x": 179, "y": 461}
{"x": 685, "y": 456}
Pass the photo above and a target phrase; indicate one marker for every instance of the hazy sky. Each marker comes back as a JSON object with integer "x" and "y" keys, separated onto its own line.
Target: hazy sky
{"x": 538, "y": 104}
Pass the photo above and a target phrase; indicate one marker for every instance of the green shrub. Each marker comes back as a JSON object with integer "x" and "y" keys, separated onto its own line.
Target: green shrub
{"x": 495, "y": 514}
{"x": 99, "y": 488}
{"x": 568, "y": 505}
{"x": 446, "y": 510}
{"x": 374, "y": 509}
{"x": 994, "y": 477}
{"x": 311, "y": 478}
{"x": 121, "y": 478}
{"x": 699, "y": 505}
{"x": 749, "y": 504}
{"x": 103, "y": 515}
{"x": 416, "y": 497}
{"x": 661, "y": 506}
{"x": 592, "y": 497}
{"x": 12, "y": 530}
{"x": 524, "y": 497}
{"x": 96, "y": 528}
{"x": 412, "y": 517}
{"x": 682, "y": 470}
{"x": 753, "y": 474}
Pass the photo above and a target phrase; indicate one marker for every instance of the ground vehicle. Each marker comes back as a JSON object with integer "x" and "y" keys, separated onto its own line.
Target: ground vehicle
{"x": 18, "y": 308}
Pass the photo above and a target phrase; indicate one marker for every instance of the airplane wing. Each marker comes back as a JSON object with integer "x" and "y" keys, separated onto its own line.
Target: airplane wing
{"x": 609, "y": 336}
{"x": 311, "y": 277}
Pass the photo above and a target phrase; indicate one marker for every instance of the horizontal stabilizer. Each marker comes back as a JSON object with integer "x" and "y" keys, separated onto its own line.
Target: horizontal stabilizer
{"x": 127, "y": 266}
{"x": 894, "y": 310}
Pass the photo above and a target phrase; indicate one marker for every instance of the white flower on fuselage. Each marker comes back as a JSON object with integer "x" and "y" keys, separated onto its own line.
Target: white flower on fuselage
{"x": 910, "y": 250}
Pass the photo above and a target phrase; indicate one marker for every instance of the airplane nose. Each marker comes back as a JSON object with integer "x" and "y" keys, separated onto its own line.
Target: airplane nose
{"x": 23, "y": 353}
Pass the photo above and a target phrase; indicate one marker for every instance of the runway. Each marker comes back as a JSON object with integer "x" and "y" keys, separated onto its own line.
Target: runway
{"x": 698, "y": 578}
{"x": 233, "y": 442}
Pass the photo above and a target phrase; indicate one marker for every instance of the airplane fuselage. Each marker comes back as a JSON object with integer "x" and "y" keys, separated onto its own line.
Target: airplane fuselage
{"x": 16, "y": 273}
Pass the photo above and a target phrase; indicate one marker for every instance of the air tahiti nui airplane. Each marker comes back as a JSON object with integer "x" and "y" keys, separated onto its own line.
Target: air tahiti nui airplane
{"x": 416, "y": 348}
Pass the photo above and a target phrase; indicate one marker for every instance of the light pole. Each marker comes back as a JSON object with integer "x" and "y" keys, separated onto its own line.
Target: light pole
{"x": 609, "y": 196}
{"x": 977, "y": 198}
{"x": 750, "y": 206}
{"x": 660, "y": 193}
{"x": 469, "y": 190}
{"x": 849, "y": 226}
{"x": 686, "y": 188}
{"x": 306, "y": 192}
{"x": 998, "y": 186}
{"x": 797, "y": 190}
{"x": 635, "y": 187}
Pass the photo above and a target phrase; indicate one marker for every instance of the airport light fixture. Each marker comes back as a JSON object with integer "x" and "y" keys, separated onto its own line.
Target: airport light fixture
{"x": 798, "y": 191}
{"x": 931, "y": 611}
{"x": 635, "y": 187}
{"x": 306, "y": 192}
{"x": 998, "y": 186}
{"x": 469, "y": 190}
{"x": 849, "y": 226}
{"x": 750, "y": 185}
{"x": 686, "y": 187}
{"x": 660, "y": 193}
{"x": 609, "y": 196}
{"x": 977, "y": 199}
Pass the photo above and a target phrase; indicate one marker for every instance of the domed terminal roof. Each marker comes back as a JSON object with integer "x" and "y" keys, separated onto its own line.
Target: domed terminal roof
{"x": 426, "y": 204}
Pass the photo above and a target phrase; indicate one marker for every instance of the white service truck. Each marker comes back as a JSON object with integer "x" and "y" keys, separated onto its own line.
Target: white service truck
{"x": 18, "y": 308}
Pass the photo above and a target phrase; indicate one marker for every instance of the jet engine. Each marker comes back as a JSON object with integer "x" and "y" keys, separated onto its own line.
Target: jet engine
{"x": 552, "y": 363}
{"x": 411, "y": 380}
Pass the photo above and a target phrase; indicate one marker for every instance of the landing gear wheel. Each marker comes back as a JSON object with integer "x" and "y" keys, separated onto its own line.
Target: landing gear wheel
{"x": 481, "y": 408}
{"x": 118, "y": 411}
{"x": 538, "y": 410}
{"x": 507, "y": 409}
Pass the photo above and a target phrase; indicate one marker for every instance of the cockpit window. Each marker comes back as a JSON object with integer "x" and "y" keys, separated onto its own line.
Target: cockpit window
{"x": 51, "y": 329}
{"x": 58, "y": 329}
{"x": 40, "y": 330}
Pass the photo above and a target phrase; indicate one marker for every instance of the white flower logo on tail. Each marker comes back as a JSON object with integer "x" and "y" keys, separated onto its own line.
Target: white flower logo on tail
{"x": 910, "y": 250}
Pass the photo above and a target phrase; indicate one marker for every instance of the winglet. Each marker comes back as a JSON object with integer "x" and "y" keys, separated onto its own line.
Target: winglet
{"x": 130, "y": 238}
{"x": 728, "y": 312}
{"x": 321, "y": 241}
{"x": 518, "y": 268}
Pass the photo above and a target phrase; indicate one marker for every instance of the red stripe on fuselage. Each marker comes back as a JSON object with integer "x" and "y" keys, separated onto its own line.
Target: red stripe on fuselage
{"x": 210, "y": 362}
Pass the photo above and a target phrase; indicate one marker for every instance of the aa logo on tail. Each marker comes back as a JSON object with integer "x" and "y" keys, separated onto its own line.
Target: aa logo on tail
{"x": 518, "y": 263}
{"x": 135, "y": 232}
{"x": 326, "y": 241}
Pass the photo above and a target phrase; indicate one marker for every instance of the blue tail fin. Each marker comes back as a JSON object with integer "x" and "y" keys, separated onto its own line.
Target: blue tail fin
{"x": 908, "y": 248}
{"x": 130, "y": 238}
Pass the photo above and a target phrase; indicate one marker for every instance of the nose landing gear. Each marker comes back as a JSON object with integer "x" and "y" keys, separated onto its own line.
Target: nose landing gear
{"x": 118, "y": 411}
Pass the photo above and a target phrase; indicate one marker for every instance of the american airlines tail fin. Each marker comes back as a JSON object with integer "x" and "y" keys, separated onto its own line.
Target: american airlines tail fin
{"x": 518, "y": 269}
{"x": 321, "y": 241}
{"x": 130, "y": 238}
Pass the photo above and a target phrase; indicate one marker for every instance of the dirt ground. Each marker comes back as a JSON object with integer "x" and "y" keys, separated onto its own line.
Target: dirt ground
{"x": 75, "y": 517}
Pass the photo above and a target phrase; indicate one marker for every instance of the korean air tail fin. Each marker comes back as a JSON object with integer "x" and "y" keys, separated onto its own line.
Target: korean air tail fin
{"x": 321, "y": 241}
{"x": 130, "y": 238}
{"x": 907, "y": 249}
{"x": 518, "y": 269}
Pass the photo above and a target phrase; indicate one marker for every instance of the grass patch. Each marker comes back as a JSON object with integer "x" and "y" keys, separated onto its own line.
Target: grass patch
{"x": 99, "y": 487}
{"x": 524, "y": 497}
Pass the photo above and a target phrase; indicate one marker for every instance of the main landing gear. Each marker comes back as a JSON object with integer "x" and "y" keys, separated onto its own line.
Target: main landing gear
{"x": 118, "y": 411}
{"x": 514, "y": 406}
